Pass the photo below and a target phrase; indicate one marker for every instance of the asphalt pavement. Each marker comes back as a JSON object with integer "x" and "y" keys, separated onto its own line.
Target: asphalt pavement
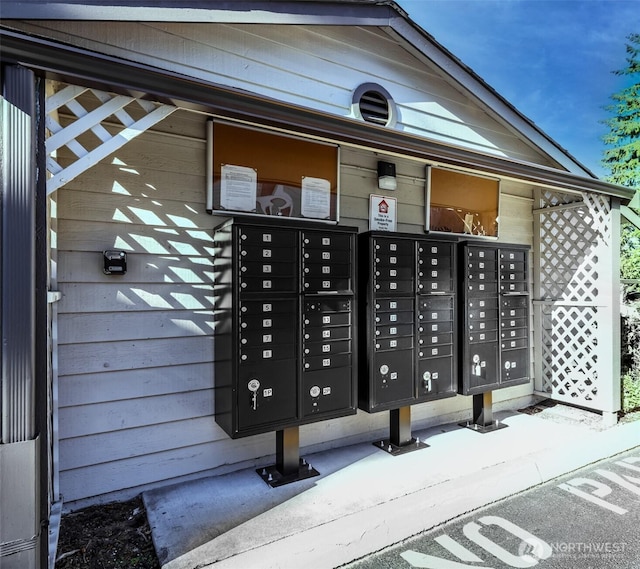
{"x": 366, "y": 500}
{"x": 588, "y": 519}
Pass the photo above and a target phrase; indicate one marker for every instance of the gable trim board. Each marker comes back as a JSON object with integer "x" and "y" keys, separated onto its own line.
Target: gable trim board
{"x": 73, "y": 65}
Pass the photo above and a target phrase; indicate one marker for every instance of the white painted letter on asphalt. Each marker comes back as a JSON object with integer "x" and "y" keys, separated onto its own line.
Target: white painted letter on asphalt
{"x": 601, "y": 490}
{"x": 541, "y": 548}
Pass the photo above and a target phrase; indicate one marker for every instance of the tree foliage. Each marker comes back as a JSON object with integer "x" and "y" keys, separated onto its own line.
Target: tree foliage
{"x": 622, "y": 155}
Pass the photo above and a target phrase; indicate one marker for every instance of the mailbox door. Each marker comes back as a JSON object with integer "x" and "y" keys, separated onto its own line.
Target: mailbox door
{"x": 479, "y": 336}
{"x": 327, "y": 360}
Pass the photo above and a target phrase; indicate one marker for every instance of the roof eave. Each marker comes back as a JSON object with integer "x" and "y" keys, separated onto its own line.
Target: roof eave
{"x": 73, "y": 64}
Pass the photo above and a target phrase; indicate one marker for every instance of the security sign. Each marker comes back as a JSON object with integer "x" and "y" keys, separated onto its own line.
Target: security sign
{"x": 382, "y": 213}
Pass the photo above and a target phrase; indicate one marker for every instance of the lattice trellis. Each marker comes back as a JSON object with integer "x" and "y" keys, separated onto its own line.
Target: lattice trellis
{"x": 572, "y": 284}
{"x": 74, "y": 111}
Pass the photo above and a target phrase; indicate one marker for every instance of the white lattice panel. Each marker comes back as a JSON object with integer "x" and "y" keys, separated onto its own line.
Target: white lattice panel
{"x": 572, "y": 289}
{"x": 88, "y": 111}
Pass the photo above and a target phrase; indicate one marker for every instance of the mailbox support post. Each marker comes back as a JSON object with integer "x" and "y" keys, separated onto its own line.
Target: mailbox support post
{"x": 482, "y": 421}
{"x": 289, "y": 467}
{"x": 400, "y": 440}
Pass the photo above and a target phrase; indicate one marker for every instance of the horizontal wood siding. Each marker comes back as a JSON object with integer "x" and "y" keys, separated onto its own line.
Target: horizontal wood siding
{"x": 317, "y": 67}
{"x": 136, "y": 379}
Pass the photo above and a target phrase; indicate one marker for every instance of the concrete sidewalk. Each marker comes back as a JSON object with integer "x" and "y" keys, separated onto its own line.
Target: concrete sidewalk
{"x": 365, "y": 499}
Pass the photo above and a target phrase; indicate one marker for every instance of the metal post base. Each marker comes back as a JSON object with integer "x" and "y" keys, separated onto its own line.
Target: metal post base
{"x": 482, "y": 421}
{"x": 289, "y": 466}
{"x": 400, "y": 441}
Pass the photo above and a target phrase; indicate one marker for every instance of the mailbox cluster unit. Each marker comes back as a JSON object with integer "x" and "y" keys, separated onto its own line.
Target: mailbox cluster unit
{"x": 285, "y": 329}
{"x": 407, "y": 320}
{"x": 436, "y": 317}
{"x": 495, "y": 334}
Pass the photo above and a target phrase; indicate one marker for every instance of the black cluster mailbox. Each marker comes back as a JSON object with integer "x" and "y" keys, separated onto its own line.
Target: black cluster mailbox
{"x": 407, "y": 325}
{"x": 285, "y": 331}
{"x": 495, "y": 333}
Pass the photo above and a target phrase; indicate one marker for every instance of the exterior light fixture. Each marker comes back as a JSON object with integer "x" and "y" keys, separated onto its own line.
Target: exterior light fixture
{"x": 387, "y": 176}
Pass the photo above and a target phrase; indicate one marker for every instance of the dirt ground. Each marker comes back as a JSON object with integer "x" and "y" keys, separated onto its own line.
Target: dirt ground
{"x": 109, "y": 536}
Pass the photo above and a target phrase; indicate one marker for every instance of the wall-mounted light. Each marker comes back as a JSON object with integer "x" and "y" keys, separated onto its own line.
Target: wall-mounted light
{"x": 387, "y": 176}
{"x": 115, "y": 262}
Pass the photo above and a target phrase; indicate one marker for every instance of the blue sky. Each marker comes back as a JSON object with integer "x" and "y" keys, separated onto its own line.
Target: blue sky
{"x": 552, "y": 59}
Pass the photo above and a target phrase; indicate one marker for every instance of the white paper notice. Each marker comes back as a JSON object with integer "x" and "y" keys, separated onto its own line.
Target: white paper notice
{"x": 316, "y": 198}
{"x": 238, "y": 188}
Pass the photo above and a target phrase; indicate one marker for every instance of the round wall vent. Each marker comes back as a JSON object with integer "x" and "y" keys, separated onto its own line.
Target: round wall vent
{"x": 373, "y": 104}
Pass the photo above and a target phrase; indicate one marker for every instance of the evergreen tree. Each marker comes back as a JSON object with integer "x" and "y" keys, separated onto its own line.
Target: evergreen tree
{"x": 622, "y": 155}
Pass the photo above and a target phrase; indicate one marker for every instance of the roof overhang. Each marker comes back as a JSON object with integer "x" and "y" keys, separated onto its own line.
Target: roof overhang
{"x": 75, "y": 65}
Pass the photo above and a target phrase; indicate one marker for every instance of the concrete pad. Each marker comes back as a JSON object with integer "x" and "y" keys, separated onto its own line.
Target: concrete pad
{"x": 364, "y": 499}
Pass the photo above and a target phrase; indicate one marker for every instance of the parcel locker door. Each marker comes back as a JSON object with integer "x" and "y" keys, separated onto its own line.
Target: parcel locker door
{"x": 436, "y": 378}
{"x": 266, "y": 393}
{"x": 480, "y": 368}
{"x": 392, "y": 377}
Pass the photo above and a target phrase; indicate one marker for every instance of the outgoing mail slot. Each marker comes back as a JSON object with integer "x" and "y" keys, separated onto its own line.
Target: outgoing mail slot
{"x": 435, "y": 302}
{"x": 508, "y": 302}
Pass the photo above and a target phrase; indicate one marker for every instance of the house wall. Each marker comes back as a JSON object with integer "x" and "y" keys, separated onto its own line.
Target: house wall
{"x": 316, "y": 67}
{"x": 136, "y": 377}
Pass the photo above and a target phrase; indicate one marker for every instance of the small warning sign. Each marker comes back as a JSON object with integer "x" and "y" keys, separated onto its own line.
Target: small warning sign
{"x": 382, "y": 213}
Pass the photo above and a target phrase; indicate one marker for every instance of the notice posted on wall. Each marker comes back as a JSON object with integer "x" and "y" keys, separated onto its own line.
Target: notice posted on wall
{"x": 238, "y": 188}
{"x": 382, "y": 213}
{"x": 316, "y": 198}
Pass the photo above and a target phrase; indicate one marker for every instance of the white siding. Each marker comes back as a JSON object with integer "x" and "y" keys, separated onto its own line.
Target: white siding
{"x": 317, "y": 67}
{"x": 136, "y": 371}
